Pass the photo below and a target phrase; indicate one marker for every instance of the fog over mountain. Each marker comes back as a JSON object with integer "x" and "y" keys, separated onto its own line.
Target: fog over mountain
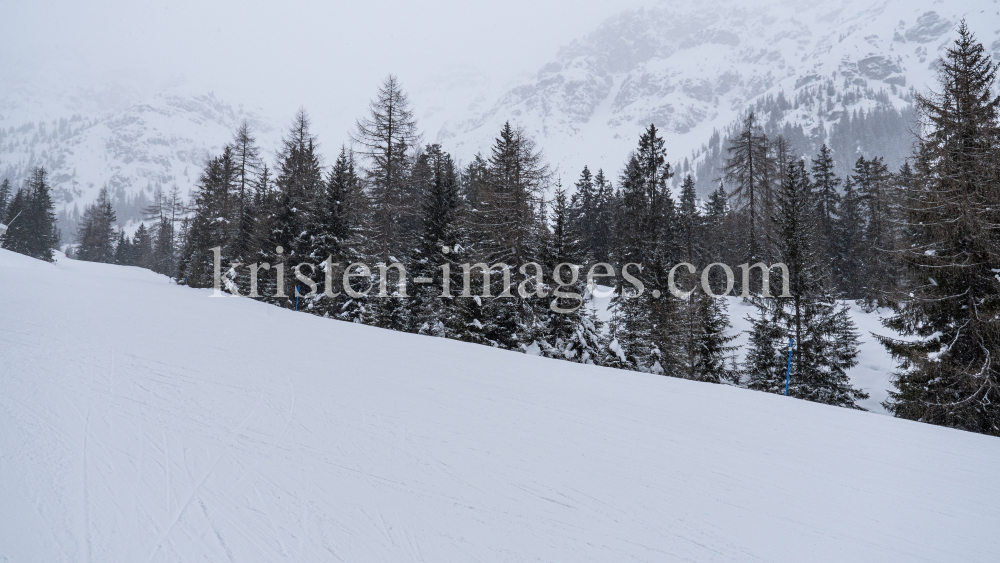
{"x": 137, "y": 96}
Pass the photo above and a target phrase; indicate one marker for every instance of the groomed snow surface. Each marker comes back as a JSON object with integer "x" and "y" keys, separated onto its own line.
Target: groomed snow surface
{"x": 141, "y": 421}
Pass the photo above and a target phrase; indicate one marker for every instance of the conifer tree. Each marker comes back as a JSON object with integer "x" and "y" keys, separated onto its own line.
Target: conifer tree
{"x": 211, "y": 225}
{"x": 826, "y": 343}
{"x": 473, "y": 182}
{"x": 18, "y": 234}
{"x": 570, "y": 332}
{"x": 163, "y": 212}
{"x": 951, "y": 301}
{"x": 383, "y": 139}
{"x": 300, "y": 183}
{"x": 142, "y": 248}
{"x": 874, "y": 184}
{"x": 5, "y": 199}
{"x": 248, "y": 168}
{"x": 265, "y": 209}
{"x": 124, "y": 254}
{"x": 712, "y": 345}
{"x": 468, "y": 316}
{"x": 96, "y": 235}
{"x": 750, "y": 169}
{"x": 584, "y": 213}
{"x": 508, "y": 223}
{"x": 645, "y": 234}
{"x": 440, "y": 208}
{"x": 182, "y": 245}
{"x": 718, "y": 234}
{"x": 827, "y": 200}
{"x": 297, "y": 225}
{"x": 602, "y": 223}
{"x": 700, "y": 319}
{"x": 848, "y": 262}
{"x": 689, "y": 223}
{"x": 337, "y": 232}
{"x": 41, "y": 219}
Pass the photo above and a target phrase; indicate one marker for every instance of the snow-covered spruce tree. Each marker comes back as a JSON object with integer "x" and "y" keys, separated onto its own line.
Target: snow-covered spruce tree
{"x": 631, "y": 321}
{"x": 700, "y": 319}
{"x": 32, "y": 224}
{"x": 712, "y": 345}
{"x": 293, "y": 226}
{"x": 878, "y": 238}
{"x": 16, "y": 239}
{"x": 142, "y": 247}
{"x": 337, "y": 233}
{"x": 96, "y": 236}
{"x": 181, "y": 244}
{"x": 848, "y": 255}
{"x": 686, "y": 309}
{"x": 645, "y": 235}
{"x": 717, "y": 237}
{"x": 469, "y": 314}
{"x": 41, "y": 218}
{"x": 570, "y": 332}
{"x": 124, "y": 253}
{"x": 584, "y": 205}
{"x": 435, "y": 175}
{"x": 265, "y": 208}
{"x": 211, "y": 225}
{"x": 827, "y": 200}
{"x": 507, "y": 226}
{"x": 6, "y": 195}
{"x": 767, "y": 356}
{"x": 603, "y": 221}
{"x": 690, "y": 224}
{"x": 472, "y": 182}
{"x": 826, "y": 342}
{"x": 951, "y": 229}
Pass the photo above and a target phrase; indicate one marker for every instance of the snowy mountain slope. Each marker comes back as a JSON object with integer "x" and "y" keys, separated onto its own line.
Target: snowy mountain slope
{"x": 158, "y": 142}
{"x": 692, "y": 68}
{"x": 141, "y": 421}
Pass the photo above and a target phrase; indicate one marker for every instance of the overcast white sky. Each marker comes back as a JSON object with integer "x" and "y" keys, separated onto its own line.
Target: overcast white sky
{"x": 325, "y": 56}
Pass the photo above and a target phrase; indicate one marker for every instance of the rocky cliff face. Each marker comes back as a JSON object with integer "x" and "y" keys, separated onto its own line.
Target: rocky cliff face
{"x": 693, "y": 68}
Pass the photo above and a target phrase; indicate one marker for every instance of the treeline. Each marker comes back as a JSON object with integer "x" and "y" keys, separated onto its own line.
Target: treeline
{"x": 29, "y": 214}
{"x": 391, "y": 200}
{"x": 881, "y": 130}
{"x": 922, "y": 240}
{"x": 155, "y": 248}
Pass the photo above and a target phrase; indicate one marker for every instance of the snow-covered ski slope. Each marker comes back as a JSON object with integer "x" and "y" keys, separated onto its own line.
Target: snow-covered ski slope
{"x": 141, "y": 421}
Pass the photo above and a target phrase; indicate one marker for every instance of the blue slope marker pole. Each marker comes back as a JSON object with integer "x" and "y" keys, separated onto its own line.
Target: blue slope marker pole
{"x": 788, "y": 374}
{"x": 297, "y": 303}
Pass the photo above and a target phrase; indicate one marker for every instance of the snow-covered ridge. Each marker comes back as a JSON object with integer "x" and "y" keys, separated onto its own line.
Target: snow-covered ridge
{"x": 692, "y": 67}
